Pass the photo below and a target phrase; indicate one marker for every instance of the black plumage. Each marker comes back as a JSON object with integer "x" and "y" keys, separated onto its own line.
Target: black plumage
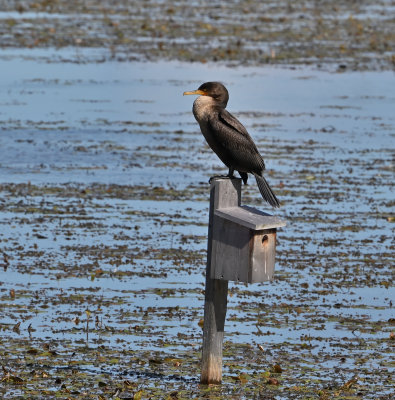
{"x": 228, "y": 138}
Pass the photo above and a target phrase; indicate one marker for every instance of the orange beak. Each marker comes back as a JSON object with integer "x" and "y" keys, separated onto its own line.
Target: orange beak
{"x": 201, "y": 92}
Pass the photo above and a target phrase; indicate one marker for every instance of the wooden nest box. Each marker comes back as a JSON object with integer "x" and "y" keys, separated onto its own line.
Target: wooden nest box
{"x": 243, "y": 243}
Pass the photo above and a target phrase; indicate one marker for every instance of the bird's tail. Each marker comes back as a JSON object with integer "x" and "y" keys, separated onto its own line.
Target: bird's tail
{"x": 266, "y": 191}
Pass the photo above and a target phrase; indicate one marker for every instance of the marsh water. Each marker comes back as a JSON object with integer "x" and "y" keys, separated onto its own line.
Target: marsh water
{"x": 104, "y": 208}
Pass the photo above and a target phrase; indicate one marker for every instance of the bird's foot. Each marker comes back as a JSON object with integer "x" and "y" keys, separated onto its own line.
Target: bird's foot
{"x": 220, "y": 176}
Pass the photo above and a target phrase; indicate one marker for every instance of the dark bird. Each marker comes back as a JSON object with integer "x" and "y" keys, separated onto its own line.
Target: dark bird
{"x": 228, "y": 138}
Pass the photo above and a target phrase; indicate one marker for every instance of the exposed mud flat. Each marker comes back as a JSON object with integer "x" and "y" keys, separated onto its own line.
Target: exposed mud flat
{"x": 355, "y": 35}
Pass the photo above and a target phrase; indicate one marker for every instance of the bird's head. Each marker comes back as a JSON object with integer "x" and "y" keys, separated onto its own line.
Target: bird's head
{"x": 216, "y": 90}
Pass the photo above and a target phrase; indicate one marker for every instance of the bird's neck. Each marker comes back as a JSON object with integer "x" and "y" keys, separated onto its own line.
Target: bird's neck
{"x": 202, "y": 107}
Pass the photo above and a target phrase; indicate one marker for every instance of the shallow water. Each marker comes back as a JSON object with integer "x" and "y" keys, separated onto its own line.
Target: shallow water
{"x": 355, "y": 35}
{"x": 103, "y": 208}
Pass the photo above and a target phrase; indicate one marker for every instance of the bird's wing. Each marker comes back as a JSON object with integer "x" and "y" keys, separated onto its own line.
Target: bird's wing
{"x": 234, "y": 138}
{"x": 227, "y": 118}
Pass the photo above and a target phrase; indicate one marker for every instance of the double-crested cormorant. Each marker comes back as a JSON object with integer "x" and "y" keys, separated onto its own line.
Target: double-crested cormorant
{"x": 228, "y": 138}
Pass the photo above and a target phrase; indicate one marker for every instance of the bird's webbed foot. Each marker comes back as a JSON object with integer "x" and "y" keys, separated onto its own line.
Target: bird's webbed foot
{"x": 230, "y": 175}
{"x": 218, "y": 176}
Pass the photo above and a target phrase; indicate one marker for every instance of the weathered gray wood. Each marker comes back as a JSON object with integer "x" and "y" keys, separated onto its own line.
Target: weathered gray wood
{"x": 244, "y": 244}
{"x": 250, "y": 218}
{"x": 230, "y": 257}
{"x": 240, "y": 254}
{"x": 223, "y": 193}
{"x": 263, "y": 256}
{"x": 241, "y": 247}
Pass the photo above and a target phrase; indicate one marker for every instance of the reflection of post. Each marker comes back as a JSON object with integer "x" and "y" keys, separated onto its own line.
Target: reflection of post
{"x": 223, "y": 193}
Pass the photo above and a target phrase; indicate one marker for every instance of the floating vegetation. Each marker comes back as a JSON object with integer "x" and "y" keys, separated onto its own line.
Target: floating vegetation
{"x": 103, "y": 218}
{"x": 354, "y": 36}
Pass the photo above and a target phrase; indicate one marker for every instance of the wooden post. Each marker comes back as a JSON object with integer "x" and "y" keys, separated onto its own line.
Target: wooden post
{"x": 224, "y": 192}
{"x": 241, "y": 248}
